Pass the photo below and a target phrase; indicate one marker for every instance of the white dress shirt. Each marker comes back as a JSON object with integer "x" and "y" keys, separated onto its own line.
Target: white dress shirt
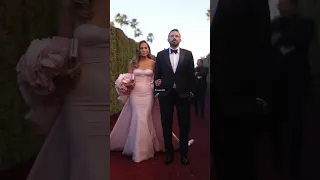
{"x": 174, "y": 58}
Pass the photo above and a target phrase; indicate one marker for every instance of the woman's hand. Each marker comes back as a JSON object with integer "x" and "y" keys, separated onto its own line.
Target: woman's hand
{"x": 132, "y": 84}
{"x": 75, "y": 72}
{"x": 158, "y": 82}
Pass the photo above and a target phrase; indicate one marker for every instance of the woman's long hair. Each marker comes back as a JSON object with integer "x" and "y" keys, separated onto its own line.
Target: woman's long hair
{"x": 135, "y": 61}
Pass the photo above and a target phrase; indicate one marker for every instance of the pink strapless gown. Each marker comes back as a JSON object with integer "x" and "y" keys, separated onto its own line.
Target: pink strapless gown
{"x": 75, "y": 148}
{"x": 138, "y": 130}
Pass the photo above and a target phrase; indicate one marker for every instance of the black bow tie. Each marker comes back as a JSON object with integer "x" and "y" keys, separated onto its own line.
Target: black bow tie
{"x": 174, "y": 51}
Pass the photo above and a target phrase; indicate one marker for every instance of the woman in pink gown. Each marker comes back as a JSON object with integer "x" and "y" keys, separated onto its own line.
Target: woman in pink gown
{"x": 138, "y": 130}
{"x": 78, "y": 127}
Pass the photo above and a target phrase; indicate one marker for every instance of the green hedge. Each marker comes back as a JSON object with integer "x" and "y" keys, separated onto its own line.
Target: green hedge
{"x": 122, "y": 51}
{"x": 21, "y": 21}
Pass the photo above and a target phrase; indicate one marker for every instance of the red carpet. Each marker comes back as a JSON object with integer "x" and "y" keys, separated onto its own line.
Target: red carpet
{"x": 124, "y": 168}
{"x": 199, "y": 156}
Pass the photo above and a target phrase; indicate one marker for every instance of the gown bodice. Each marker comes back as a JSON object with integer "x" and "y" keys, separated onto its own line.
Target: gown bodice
{"x": 94, "y": 43}
{"x": 143, "y": 75}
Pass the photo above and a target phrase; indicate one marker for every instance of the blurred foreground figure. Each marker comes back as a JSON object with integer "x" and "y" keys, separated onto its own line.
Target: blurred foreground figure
{"x": 291, "y": 37}
{"x": 240, "y": 58}
{"x": 77, "y": 141}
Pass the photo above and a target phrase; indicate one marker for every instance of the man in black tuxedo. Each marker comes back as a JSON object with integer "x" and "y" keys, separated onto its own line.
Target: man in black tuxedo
{"x": 291, "y": 37}
{"x": 174, "y": 85}
{"x": 201, "y": 73}
{"x": 240, "y": 89}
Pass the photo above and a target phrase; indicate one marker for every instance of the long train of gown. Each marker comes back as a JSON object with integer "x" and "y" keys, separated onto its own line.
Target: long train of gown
{"x": 75, "y": 148}
{"x": 138, "y": 130}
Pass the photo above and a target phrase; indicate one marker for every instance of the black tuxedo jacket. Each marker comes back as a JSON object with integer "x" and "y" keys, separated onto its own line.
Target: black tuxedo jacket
{"x": 183, "y": 77}
{"x": 240, "y": 55}
{"x": 202, "y": 82}
{"x": 298, "y": 33}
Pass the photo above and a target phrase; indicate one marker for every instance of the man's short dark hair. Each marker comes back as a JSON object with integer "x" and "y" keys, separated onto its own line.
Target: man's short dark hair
{"x": 173, "y": 30}
{"x": 201, "y": 60}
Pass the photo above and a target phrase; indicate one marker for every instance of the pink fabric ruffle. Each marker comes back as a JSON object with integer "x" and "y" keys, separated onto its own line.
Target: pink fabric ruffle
{"x": 121, "y": 84}
{"x": 44, "y": 60}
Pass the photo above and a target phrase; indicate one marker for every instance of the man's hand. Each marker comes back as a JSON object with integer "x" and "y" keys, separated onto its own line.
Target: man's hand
{"x": 191, "y": 97}
{"x": 262, "y": 102}
{"x": 275, "y": 37}
{"x": 158, "y": 82}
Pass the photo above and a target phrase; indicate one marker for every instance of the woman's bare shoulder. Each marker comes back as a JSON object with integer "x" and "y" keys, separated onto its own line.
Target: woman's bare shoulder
{"x": 152, "y": 61}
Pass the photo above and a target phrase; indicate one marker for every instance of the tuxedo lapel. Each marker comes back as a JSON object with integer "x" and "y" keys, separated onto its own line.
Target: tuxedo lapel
{"x": 167, "y": 59}
{"x": 181, "y": 58}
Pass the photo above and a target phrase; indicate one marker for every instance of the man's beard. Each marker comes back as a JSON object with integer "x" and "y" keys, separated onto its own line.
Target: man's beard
{"x": 174, "y": 43}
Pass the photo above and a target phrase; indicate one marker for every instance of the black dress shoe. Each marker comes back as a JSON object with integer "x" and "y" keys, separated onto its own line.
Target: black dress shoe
{"x": 184, "y": 160}
{"x": 169, "y": 159}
